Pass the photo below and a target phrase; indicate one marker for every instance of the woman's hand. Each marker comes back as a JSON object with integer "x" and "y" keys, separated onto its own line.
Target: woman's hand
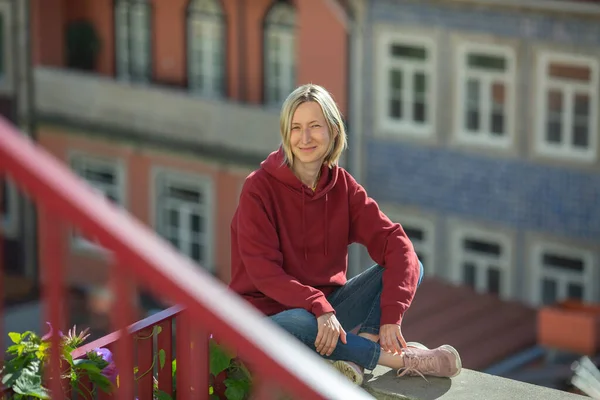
{"x": 391, "y": 339}
{"x": 330, "y": 330}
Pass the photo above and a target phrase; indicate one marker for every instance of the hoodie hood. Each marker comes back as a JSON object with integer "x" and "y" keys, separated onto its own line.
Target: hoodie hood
{"x": 275, "y": 166}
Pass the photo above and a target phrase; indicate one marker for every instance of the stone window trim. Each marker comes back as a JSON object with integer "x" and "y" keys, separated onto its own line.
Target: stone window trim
{"x": 581, "y": 273}
{"x": 416, "y": 57}
{"x": 279, "y": 52}
{"x": 500, "y": 75}
{"x": 482, "y": 251}
{"x": 575, "y": 81}
{"x": 82, "y": 163}
{"x": 206, "y": 48}
{"x": 133, "y": 40}
{"x": 163, "y": 178}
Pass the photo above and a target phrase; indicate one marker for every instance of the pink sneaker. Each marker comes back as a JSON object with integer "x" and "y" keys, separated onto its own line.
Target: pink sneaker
{"x": 350, "y": 370}
{"x": 441, "y": 362}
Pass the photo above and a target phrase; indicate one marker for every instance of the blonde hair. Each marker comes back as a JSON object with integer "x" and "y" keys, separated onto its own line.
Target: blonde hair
{"x": 333, "y": 118}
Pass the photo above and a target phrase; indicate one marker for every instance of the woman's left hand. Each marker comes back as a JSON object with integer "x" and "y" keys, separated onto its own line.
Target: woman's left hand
{"x": 391, "y": 339}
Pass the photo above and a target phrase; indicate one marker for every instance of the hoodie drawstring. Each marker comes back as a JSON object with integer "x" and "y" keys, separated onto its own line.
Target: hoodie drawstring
{"x": 304, "y": 228}
{"x": 326, "y": 223}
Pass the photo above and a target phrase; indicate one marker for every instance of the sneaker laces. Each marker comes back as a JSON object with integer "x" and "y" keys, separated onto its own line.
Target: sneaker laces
{"x": 416, "y": 364}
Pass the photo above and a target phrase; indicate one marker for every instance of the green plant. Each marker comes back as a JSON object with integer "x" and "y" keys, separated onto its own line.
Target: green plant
{"x": 229, "y": 378}
{"x": 22, "y": 373}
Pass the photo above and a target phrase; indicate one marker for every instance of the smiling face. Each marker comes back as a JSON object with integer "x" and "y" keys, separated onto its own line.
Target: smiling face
{"x": 310, "y": 139}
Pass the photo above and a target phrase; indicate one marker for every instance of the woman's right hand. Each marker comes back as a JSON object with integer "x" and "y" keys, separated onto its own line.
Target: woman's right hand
{"x": 330, "y": 330}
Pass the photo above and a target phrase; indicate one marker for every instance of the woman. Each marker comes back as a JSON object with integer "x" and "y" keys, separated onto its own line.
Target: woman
{"x": 296, "y": 216}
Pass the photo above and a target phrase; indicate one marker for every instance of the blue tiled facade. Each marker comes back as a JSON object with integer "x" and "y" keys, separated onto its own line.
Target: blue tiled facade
{"x": 509, "y": 190}
{"x": 564, "y": 202}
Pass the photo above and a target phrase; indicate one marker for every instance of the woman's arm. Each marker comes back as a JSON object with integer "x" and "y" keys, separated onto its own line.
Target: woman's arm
{"x": 259, "y": 248}
{"x": 389, "y": 247}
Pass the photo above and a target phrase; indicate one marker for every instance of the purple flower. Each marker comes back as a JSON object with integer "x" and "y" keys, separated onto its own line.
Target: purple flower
{"x": 110, "y": 371}
{"x": 48, "y": 335}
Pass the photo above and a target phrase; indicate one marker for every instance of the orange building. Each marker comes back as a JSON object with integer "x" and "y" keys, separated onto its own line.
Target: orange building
{"x": 165, "y": 106}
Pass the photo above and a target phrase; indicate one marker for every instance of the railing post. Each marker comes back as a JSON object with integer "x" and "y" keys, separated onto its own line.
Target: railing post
{"x": 52, "y": 259}
{"x": 121, "y": 319}
{"x": 2, "y": 268}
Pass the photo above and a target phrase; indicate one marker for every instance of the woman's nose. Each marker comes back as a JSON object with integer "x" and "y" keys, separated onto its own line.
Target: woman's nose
{"x": 305, "y": 136}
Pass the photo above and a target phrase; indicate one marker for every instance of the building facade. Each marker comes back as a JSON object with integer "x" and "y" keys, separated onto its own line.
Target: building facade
{"x": 480, "y": 126}
{"x": 166, "y": 106}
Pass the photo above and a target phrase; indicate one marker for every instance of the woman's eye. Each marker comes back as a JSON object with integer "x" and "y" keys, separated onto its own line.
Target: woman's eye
{"x": 295, "y": 128}
{"x": 316, "y": 126}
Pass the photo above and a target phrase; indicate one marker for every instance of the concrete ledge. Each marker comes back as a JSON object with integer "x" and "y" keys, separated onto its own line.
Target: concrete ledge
{"x": 469, "y": 385}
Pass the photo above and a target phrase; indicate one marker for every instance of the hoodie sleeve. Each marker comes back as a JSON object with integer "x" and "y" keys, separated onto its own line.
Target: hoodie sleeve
{"x": 258, "y": 244}
{"x": 389, "y": 247}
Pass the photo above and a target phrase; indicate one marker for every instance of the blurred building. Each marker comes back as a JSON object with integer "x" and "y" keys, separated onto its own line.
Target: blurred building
{"x": 480, "y": 134}
{"x": 17, "y": 223}
{"x": 165, "y": 106}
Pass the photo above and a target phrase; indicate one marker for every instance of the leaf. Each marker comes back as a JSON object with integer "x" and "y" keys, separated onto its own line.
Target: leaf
{"x": 162, "y": 356}
{"x": 29, "y": 383}
{"x": 157, "y": 330}
{"x": 219, "y": 359}
{"x": 15, "y": 337}
{"x": 236, "y": 389}
{"x": 160, "y": 395}
{"x": 87, "y": 365}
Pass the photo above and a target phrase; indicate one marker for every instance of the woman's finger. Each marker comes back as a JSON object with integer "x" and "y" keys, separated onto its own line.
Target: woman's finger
{"x": 332, "y": 343}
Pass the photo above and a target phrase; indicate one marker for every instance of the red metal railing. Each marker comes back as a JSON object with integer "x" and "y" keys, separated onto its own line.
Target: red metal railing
{"x": 64, "y": 201}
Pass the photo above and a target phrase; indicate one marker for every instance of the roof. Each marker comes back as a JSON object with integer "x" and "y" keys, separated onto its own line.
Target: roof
{"x": 484, "y": 329}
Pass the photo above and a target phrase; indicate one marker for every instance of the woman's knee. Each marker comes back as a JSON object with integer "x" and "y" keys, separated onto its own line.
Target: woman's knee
{"x": 297, "y": 321}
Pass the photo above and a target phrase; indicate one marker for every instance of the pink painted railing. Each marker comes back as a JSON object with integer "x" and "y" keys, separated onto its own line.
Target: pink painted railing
{"x": 142, "y": 258}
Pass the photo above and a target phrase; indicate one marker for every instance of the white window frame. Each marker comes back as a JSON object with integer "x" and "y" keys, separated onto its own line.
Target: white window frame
{"x": 280, "y": 27}
{"x": 484, "y": 136}
{"x": 587, "y": 279}
{"x": 428, "y": 245}
{"x": 9, "y": 223}
{"x": 7, "y": 79}
{"x": 131, "y": 43}
{"x": 565, "y": 150}
{"x": 164, "y": 176}
{"x": 78, "y": 160}
{"x": 206, "y": 35}
{"x": 482, "y": 262}
{"x": 405, "y": 127}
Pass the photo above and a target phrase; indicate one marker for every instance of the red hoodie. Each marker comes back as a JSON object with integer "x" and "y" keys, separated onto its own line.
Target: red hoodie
{"x": 289, "y": 245}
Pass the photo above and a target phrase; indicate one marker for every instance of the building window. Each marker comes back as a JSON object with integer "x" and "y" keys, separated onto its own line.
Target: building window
{"x": 106, "y": 177}
{"x": 279, "y": 53}
{"x": 563, "y": 273}
{"x": 568, "y": 104}
{"x": 133, "y": 40}
{"x": 6, "y": 43}
{"x": 183, "y": 215}
{"x": 406, "y": 83}
{"x": 206, "y": 48}
{"x": 9, "y": 210}
{"x": 3, "y": 54}
{"x": 486, "y": 94}
{"x": 482, "y": 260}
{"x": 421, "y": 232}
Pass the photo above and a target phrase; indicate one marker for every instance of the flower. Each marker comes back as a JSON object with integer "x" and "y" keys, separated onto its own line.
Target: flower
{"x": 48, "y": 335}
{"x": 110, "y": 371}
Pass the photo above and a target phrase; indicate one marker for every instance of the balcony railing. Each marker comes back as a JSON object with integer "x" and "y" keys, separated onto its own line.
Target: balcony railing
{"x": 154, "y": 111}
{"x": 139, "y": 256}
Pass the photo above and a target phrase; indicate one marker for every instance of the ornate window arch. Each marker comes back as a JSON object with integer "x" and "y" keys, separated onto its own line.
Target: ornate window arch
{"x": 279, "y": 68}
{"x": 133, "y": 40}
{"x": 206, "y": 47}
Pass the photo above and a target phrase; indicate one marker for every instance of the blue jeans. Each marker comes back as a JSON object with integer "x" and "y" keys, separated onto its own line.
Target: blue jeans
{"x": 356, "y": 303}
